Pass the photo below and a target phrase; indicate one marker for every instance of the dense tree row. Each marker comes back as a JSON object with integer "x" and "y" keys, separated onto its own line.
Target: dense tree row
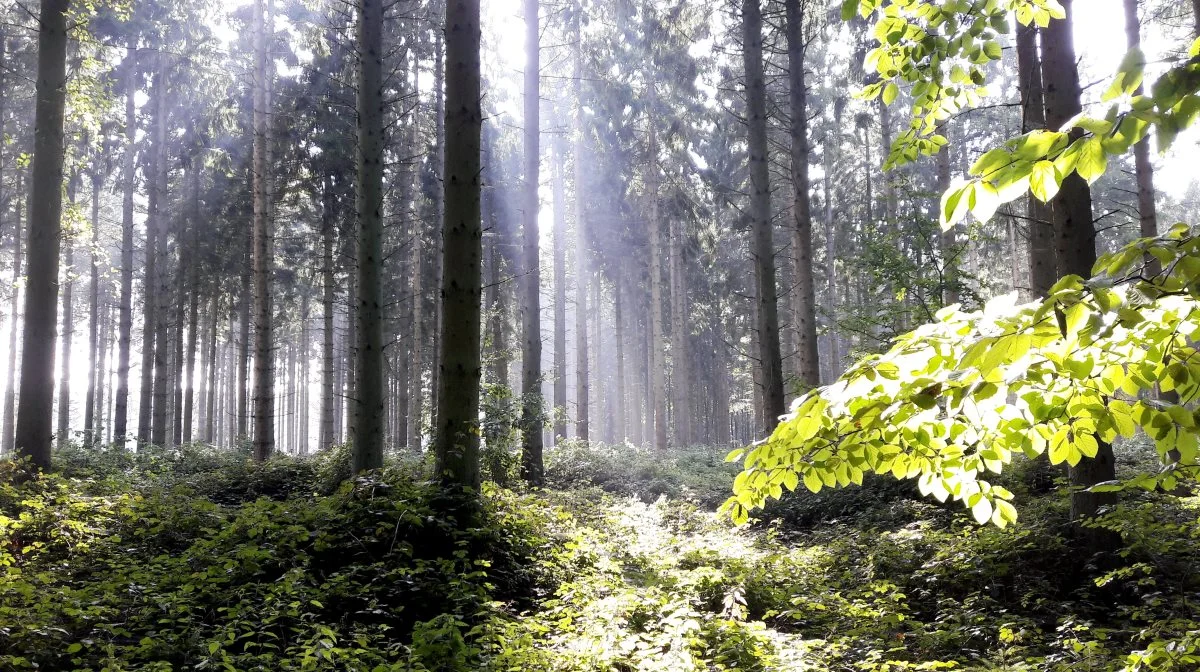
{"x": 292, "y": 224}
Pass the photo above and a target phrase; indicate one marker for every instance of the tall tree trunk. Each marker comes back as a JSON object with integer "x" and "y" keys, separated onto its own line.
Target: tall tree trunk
{"x": 560, "y": 295}
{"x": 241, "y": 385}
{"x": 1075, "y": 244}
{"x": 328, "y": 291}
{"x": 150, "y": 302}
{"x": 10, "y": 384}
{"x": 156, "y": 216}
{"x": 125, "y": 310}
{"x": 214, "y": 368}
{"x": 262, "y": 261}
{"x": 621, "y": 421}
{"x": 946, "y": 239}
{"x": 658, "y": 366}
{"x": 804, "y": 294}
{"x": 417, "y": 384}
{"x": 103, "y": 371}
{"x": 94, "y": 310}
{"x": 302, "y": 440}
{"x": 760, "y": 208}
{"x": 68, "y": 330}
{"x": 367, "y": 447}
{"x": 457, "y": 448}
{"x": 189, "y": 377}
{"x": 1144, "y": 170}
{"x": 680, "y": 337}
{"x": 582, "y": 373}
{"x": 34, "y": 428}
{"x": 531, "y": 353}
{"x": 831, "y": 293}
{"x": 439, "y": 206}
{"x": 1042, "y": 267}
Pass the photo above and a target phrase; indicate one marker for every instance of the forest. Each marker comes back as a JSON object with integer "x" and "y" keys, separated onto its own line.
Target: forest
{"x": 600, "y": 335}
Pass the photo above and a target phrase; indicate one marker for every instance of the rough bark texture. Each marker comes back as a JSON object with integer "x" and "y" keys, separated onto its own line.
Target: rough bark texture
{"x": 560, "y": 295}
{"x": 34, "y": 420}
{"x": 94, "y": 362}
{"x": 681, "y": 361}
{"x": 150, "y": 282}
{"x": 187, "y": 384}
{"x": 262, "y": 261}
{"x": 1143, "y": 169}
{"x": 531, "y": 352}
{"x": 328, "y": 292}
{"x": 946, "y": 239}
{"x": 125, "y": 310}
{"x": 1075, "y": 243}
{"x": 582, "y": 372}
{"x": 66, "y": 334}
{"x": 760, "y": 212}
{"x": 367, "y": 447}
{"x": 1043, "y": 270}
{"x": 804, "y": 294}
{"x": 457, "y": 447}
{"x": 658, "y": 386}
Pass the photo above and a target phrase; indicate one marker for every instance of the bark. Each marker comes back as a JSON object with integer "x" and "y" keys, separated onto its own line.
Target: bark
{"x": 67, "y": 332}
{"x": 1143, "y": 169}
{"x": 103, "y": 370}
{"x": 621, "y": 421}
{"x": 760, "y": 208}
{"x": 34, "y": 428}
{"x": 302, "y": 420}
{"x": 241, "y": 386}
{"x": 582, "y": 372}
{"x": 262, "y": 259}
{"x": 94, "y": 309}
{"x": 1042, "y": 267}
{"x": 531, "y": 353}
{"x": 657, "y": 363}
{"x": 125, "y": 310}
{"x": 417, "y": 394}
{"x": 150, "y": 303}
{"x": 367, "y": 446}
{"x": 1075, "y": 247}
{"x": 946, "y": 239}
{"x": 156, "y": 216}
{"x": 439, "y": 206}
{"x": 189, "y": 377}
{"x": 680, "y": 336}
{"x": 214, "y": 369}
{"x": 328, "y": 290}
{"x": 560, "y": 296}
{"x": 831, "y": 293}
{"x": 10, "y": 389}
{"x": 804, "y": 294}
{"x": 457, "y": 448}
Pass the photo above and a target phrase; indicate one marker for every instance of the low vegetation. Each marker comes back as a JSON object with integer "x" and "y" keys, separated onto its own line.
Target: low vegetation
{"x": 201, "y": 559}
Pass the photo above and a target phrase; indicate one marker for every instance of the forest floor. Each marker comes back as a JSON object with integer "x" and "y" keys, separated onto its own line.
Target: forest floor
{"x": 197, "y": 559}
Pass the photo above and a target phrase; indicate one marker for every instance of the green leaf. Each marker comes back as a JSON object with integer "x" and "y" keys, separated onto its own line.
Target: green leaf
{"x": 890, "y": 92}
{"x": 1044, "y": 181}
{"x": 1092, "y": 160}
{"x": 849, "y": 9}
{"x": 982, "y": 510}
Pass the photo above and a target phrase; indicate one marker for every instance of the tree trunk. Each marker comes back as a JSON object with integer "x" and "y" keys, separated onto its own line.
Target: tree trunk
{"x": 760, "y": 208}
{"x": 150, "y": 302}
{"x": 582, "y": 372}
{"x": 1075, "y": 245}
{"x": 328, "y": 290}
{"x": 89, "y": 406}
{"x": 214, "y": 368}
{"x": 804, "y": 295}
{"x": 241, "y": 385}
{"x": 125, "y": 311}
{"x": 367, "y": 447}
{"x": 1042, "y": 267}
{"x": 262, "y": 261}
{"x": 10, "y": 385}
{"x": 1144, "y": 171}
{"x": 658, "y": 393}
{"x": 946, "y": 239}
{"x": 188, "y": 382}
{"x": 560, "y": 295}
{"x": 457, "y": 447}
{"x": 156, "y": 215}
{"x": 67, "y": 332}
{"x": 304, "y": 369}
{"x": 531, "y": 353}
{"x": 621, "y": 421}
{"x": 680, "y": 337}
{"x": 34, "y": 428}
{"x": 439, "y": 206}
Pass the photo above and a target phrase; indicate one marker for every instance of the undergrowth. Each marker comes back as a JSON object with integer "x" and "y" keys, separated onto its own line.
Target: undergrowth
{"x": 198, "y": 559}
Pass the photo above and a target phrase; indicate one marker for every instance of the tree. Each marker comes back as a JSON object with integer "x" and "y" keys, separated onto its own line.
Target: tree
{"x": 457, "y": 436}
{"x": 804, "y": 298}
{"x": 34, "y": 414}
{"x": 367, "y": 448}
{"x": 531, "y": 351}
{"x": 125, "y": 311}
{"x": 956, "y": 399}
{"x": 262, "y": 259}
{"x": 763, "y": 246}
